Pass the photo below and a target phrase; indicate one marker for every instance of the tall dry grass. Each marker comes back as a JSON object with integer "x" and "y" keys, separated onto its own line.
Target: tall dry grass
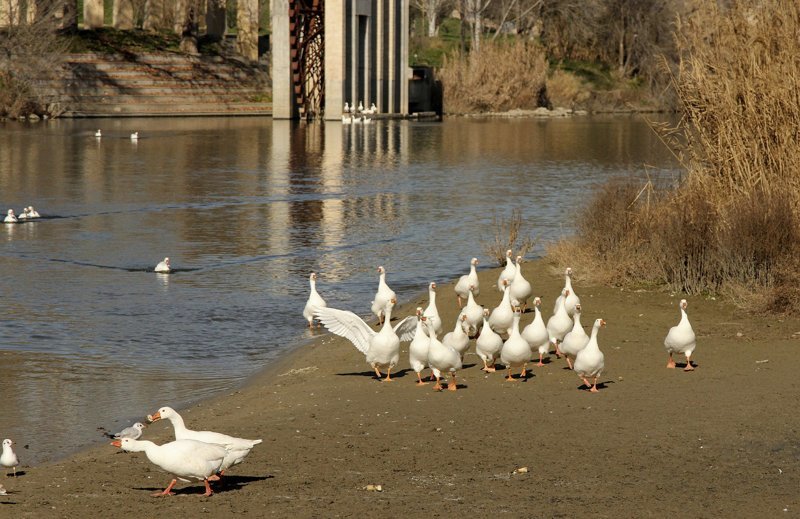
{"x": 502, "y": 76}
{"x": 509, "y": 233}
{"x": 732, "y": 225}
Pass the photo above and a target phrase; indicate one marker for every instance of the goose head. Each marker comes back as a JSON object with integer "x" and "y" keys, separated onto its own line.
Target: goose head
{"x": 508, "y": 254}
{"x": 568, "y": 272}
{"x": 537, "y": 301}
{"x": 486, "y": 312}
{"x": 419, "y": 312}
{"x": 166, "y": 260}
{"x": 578, "y": 308}
{"x": 432, "y": 286}
{"x": 599, "y": 323}
{"x": 381, "y": 270}
{"x": 129, "y": 445}
{"x": 313, "y": 276}
{"x": 473, "y": 261}
{"x": 684, "y": 304}
{"x": 10, "y": 212}
{"x": 519, "y": 260}
{"x": 165, "y": 413}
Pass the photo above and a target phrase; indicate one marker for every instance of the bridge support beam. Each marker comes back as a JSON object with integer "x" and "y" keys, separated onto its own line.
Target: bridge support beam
{"x": 93, "y": 14}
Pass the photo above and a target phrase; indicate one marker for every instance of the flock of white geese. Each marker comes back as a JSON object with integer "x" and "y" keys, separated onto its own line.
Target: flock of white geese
{"x": 496, "y": 333}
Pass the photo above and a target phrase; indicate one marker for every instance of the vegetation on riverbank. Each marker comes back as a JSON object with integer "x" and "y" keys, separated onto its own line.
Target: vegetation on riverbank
{"x": 730, "y": 225}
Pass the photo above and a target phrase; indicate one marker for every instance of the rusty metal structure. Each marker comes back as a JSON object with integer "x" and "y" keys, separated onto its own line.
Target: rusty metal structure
{"x": 306, "y": 48}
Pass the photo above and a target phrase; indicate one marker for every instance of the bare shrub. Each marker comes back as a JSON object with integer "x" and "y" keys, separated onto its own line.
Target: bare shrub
{"x": 29, "y": 50}
{"x": 500, "y": 77}
{"x": 509, "y": 233}
{"x": 566, "y": 89}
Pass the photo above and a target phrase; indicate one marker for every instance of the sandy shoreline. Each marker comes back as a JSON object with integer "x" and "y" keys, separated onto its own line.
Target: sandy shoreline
{"x": 721, "y": 441}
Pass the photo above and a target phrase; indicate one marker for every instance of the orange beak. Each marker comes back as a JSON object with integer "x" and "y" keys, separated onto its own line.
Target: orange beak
{"x": 116, "y": 443}
{"x": 154, "y": 417}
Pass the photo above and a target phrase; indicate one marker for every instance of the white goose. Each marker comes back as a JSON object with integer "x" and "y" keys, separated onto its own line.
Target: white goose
{"x": 163, "y": 266}
{"x": 98, "y": 134}
{"x": 536, "y": 333}
{"x": 572, "y": 298}
{"x": 431, "y": 311}
{"x": 418, "y": 349}
{"x": 314, "y": 300}
{"x": 135, "y": 136}
{"x": 382, "y": 296}
{"x": 508, "y": 273}
{"x": 520, "y": 287}
{"x": 516, "y": 351}
{"x": 182, "y": 458}
{"x": 237, "y": 448}
{"x": 442, "y": 359}
{"x": 382, "y": 348}
{"x": 488, "y": 344}
{"x": 681, "y": 339}
{"x": 589, "y": 362}
{"x": 347, "y": 119}
{"x": 33, "y": 213}
{"x": 466, "y": 281}
{"x": 9, "y": 458}
{"x": 458, "y": 339}
{"x": 503, "y": 315}
{"x": 576, "y": 339}
{"x": 10, "y": 218}
{"x": 346, "y": 107}
{"x": 473, "y": 313}
{"x": 25, "y": 214}
{"x": 559, "y": 323}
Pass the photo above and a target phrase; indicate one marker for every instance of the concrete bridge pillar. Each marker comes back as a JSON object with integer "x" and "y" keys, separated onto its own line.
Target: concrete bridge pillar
{"x": 215, "y": 18}
{"x": 247, "y": 27}
{"x": 123, "y": 14}
{"x": 93, "y": 14}
{"x": 282, "y": 105}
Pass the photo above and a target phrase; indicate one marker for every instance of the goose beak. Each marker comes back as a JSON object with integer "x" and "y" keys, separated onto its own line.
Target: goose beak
{"x": 154, "y": 417}
{"x": 116, "y": 443}
{"x": 602, "y": 322}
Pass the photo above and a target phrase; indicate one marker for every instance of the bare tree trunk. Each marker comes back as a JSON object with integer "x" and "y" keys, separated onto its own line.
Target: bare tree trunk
{"x": 462, "y": 7}
{"x": 189, "y": 27}
{"x": 432, "y": 18}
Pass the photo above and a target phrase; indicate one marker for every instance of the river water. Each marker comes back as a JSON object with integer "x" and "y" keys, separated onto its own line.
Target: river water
{"x": 246, "y": 208}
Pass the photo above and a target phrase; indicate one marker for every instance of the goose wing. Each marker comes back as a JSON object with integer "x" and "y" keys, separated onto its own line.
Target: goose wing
{"x": 348, "y": 325}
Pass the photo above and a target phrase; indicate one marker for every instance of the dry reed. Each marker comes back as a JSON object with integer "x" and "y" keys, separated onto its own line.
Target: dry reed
{"x": 508, "y": 234}
{"x": 732, "y": 225}
{"x": 502, "y": 76}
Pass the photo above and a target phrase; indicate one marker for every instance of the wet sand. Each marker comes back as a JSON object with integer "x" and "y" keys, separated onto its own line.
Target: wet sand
{"x": 722, "y": 441}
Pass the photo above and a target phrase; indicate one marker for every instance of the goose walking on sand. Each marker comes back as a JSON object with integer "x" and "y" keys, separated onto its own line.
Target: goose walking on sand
{"x": 576, "y": 339}
{"x": 515, "y": 352}
{"x": 559, "y": 323}
{"x": 572, "y": 298}
{"x": 536, "y": 333}
{"x": 466, "y": 281}
{"x": 9, "y": 458}
{"x": 383, "y": 295}
{"x": 314, "y": 301}
{"x": 681, "y": 339}
{"x": 236, "y": 448}
{"x": 182, "y": 458}
{"x": 590, "y": 361}
{"x": 431, "y": 311}
{"x": 502, "y": 316}
{"x": 419, "y": 346}
{"x": 381, "y": 349}
{"x": 442, "y": 359}
{"x": 488, "y": 344}
{"x": 473, "y": 313}
{"x": 521, "y": 288}
{"x": 507, "y": 274}
{"x": 458, "y": 338}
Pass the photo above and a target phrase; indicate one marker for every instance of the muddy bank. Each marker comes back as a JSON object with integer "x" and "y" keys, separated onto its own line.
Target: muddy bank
{"x": 720, "y": 441}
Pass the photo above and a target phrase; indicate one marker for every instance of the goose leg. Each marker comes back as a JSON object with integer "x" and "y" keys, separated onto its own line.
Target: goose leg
{"x": 438, "y": 386}
{"x": 594, "y": 386}
{"x": 558, "y": 350}
{"x": 377, "y": 373}
{"x": 509, "y": 377}
{"x": 208, "y": 491}
{"x": 167, "y": 491}
{"x": 541, "y": 357}
{"x": 689, "y": 366}
{"x": 452, "y": 386}
{"x": 419, "y": 378}
{"x": 670, "y": 362}
{"x": 586, "y": 382}
{"x": 388, "y": 375}
{"x": 459, "y": 301}
{"x": 490, "y": 369}
{"x": 524, "y": 373}
{"x": 569, "y": 361}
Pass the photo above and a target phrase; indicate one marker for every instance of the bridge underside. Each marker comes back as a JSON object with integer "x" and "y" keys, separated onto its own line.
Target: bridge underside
{"x": 329, "y": 52}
